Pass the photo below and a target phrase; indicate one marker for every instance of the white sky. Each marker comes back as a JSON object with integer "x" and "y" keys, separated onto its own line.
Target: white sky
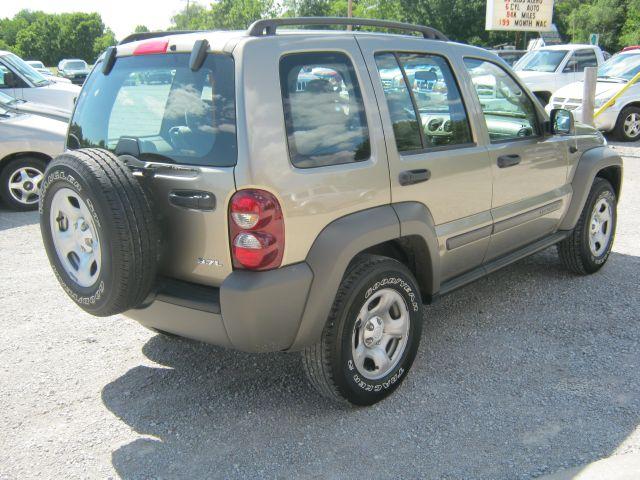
{"x": 120, "y": 15}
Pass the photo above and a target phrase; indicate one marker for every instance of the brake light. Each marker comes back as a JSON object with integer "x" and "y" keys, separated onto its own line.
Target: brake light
{"x": 256, "y": 230}
{"x": 154, "y": 46}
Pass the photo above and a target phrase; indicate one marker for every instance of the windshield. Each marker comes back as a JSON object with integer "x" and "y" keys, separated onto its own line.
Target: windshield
{"x": 541, "y": 61}
{"x": 157, "y": 106}
{"x": 75, "y": 65}
{"x": 25, "y": 70}
{"x": 620, "y": 67}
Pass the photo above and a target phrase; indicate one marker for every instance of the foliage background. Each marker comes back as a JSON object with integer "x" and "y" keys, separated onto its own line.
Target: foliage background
{"x": 51, "y": 37}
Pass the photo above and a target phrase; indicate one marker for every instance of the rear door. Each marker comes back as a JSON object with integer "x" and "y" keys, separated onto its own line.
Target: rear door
{"x": 179, "y": 125}
{"x": 435, "y": 157}
{"x": 529, "y": 167}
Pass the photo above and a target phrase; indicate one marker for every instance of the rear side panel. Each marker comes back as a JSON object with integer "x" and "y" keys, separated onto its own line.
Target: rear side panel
{"x": 311, "y": 198}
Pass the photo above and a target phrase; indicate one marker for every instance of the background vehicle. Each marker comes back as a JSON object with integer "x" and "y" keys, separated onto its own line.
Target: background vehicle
{"x": 23, "y": 82}
{"x": 622, "y": 118}
{"x": 39, "y": 67}
{"x": 510, "y": 56}
{"x": 27, "y": 143}
{"x": 74, "y": 69}
{"x": 22, "y": 106}
{"x": 547, "y": 69}
{"x": 187, "y": 205}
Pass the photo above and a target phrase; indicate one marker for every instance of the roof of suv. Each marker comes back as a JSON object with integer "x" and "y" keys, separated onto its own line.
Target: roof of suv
{"x": 225, "y": 40}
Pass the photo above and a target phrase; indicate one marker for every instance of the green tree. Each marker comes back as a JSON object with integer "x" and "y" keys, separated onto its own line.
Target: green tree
{"x": 631, "y": 28}
{"x": 605, "y": 17}
{"x": 140, "y": 29}
{"x": 224, "y": 15}
{"x": 107, "y": 39}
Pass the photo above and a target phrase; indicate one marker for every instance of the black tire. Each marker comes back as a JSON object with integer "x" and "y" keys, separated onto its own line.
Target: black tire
{"x": 575, "y": 251}
{"x": 9, "y": 171}
{"x": 619, "y": 131}
{"x": 126, "y": 228}
{"x": 329, "y": 364}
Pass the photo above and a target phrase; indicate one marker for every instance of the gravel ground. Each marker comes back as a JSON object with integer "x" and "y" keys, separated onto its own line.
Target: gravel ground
{"x": 524, "y": 373}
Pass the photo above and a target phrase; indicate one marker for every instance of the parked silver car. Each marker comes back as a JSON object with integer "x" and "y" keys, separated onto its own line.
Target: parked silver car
{"x": 19, "y": 105}
{"x": 27, "y": 143}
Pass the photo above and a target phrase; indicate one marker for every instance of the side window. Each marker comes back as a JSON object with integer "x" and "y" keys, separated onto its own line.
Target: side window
{"x": 440, "y": 108}
{"x": 323, "y": 109}
{"x": 403, "y": 115}
{"x": 508, "y": 111}
{"x": 424, "y": 101}
{"x": 585, "y": 58}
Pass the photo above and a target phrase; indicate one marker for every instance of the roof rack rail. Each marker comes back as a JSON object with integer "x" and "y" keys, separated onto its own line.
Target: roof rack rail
{"x": 134, "y": 37}
{"x": 268, "y": 26}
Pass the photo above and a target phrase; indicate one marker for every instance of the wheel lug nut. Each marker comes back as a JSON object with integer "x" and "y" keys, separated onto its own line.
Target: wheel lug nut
{"x": 370, "y": 327}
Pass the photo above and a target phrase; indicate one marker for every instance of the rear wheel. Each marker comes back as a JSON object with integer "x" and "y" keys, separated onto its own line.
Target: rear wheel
{"x": 588, "y": 247}
{"x": 99, "y": 231}
{"x": 372, "y": 335}
{"x": 20, "y": 183}
{"x": 627, "y": 127}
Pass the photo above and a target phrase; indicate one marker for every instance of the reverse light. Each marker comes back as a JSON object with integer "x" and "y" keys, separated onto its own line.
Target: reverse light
{"x": 152, "y": 47}
{"x": 256, "y": 230}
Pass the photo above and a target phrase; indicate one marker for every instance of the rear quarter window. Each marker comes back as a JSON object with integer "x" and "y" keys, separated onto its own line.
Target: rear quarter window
{"x": 323, "y": 108}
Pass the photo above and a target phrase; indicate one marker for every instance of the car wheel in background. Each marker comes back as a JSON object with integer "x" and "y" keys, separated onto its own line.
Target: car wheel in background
{"x": 20, "y": 182}
{"x": 544, "y": 97}
{"x": 627, "y": 127}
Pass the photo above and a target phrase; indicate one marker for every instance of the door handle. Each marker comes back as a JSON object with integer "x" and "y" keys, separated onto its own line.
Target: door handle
{"x": 194, "y": 199}
{"x": 505, "y": 161}
{"x": 411, "y": 177}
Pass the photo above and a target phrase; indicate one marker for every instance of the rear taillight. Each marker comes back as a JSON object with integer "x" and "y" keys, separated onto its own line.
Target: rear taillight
{"x": 154, "y": 46}
{"x": 256, "y": 230}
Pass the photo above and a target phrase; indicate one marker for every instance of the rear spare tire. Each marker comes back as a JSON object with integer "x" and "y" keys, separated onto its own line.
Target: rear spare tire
{"x": 99, "y": 231}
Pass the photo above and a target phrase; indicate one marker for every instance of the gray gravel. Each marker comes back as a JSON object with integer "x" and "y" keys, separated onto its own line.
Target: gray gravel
{"x": 524, "y": 373}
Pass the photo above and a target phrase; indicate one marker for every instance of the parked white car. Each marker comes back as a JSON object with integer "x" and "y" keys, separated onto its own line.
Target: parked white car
{"x": 27, "y": 143}
{"x": 547, "y": 69}
{"x": 23, "y": 82}
{"x": 623, "y": 117}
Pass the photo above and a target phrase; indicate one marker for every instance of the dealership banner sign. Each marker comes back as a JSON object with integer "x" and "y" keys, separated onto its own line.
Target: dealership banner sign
{"x": 520, "y": 15}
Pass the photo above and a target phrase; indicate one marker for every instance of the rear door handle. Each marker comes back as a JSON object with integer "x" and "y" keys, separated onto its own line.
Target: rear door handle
{"x": 411, "y": 177}
{"x": 505, "y": 161}
{"x": 194, "y": 199}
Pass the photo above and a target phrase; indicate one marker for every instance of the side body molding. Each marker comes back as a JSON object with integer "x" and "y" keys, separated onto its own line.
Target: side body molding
{"x": 344, "y": 238}
{"x": 590, "y": 163}
{"x": 329, "y": 257}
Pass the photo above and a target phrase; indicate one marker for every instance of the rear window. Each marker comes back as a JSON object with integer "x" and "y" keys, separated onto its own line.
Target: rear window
{"x": 174, "y": 115}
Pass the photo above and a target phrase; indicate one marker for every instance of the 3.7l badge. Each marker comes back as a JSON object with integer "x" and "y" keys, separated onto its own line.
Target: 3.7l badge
{"x": 211, "y": 262}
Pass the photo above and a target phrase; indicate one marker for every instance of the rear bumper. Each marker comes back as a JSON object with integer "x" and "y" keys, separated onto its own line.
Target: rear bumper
{"x": 251, "y": 311}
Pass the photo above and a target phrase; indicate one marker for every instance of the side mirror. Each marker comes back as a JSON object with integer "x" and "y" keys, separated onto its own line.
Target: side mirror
{"x": 570, "y": 66}
{"x": 562, "y": 122}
